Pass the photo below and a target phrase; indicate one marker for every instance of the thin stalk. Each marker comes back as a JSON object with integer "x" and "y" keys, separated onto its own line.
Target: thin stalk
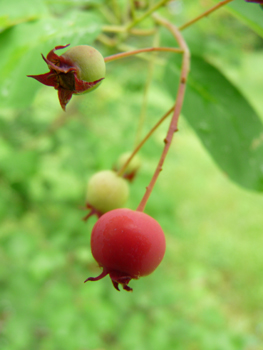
{"x": 134, "y": 52}
{"x": 132, "y": 9}
{"x": 206, "y": 13}
{"x": 146, "y": 92}
{"x": 104, "y": 39}
{"x": 116, "y": 10}
{"x": 143, "y": 56}
{"x": 136, "y": 31}
{"x": 107, "y": 14}
{"x": 146, "y": 14}
{"x": 121, "y": 171}
{"x": 132, "y": 31}
{"x": 113, "y": 29}
{"x": 173, "y": 127}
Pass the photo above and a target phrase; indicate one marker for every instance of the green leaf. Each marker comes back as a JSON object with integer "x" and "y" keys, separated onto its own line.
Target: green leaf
{"x": 18, "y": 11}
{"x": 19, "y": 166}
{"x": 223, "y": 119}
{"x": 249, "y": 13}
{"x": 22, "y": 45}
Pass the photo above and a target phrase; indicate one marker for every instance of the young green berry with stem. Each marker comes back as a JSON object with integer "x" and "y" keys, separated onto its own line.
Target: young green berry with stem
{"x": 129, "y": 165}
{"x": 106, "y": 191}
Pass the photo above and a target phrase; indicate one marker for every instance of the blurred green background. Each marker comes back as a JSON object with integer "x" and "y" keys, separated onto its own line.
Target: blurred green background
{"x": 207, "y": 293}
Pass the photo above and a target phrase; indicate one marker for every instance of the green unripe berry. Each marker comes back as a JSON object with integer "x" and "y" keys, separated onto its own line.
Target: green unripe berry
{"x": 107, "y": 191}
{"x": 133, "y": 165}
{"x": 89, "y": 61}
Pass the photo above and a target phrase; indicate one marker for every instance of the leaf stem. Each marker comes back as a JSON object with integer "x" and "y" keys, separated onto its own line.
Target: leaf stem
{"x": 206, "y": 13}
{"x": 173, "y": 127}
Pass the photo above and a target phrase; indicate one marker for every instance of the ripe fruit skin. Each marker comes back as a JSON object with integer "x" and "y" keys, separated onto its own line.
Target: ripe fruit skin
{"x": 127, "y": 244}
{"x": 107, "y": 191}
{"x": 89, "y": 61}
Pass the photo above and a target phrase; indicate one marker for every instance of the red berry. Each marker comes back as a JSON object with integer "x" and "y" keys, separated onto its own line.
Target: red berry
{"x": 127, "y": 244}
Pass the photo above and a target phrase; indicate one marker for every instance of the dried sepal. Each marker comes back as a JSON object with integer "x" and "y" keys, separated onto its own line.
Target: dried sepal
{"x": 63, "y": 76}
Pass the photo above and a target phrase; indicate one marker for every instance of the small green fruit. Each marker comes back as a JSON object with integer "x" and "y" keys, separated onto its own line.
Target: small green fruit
{"x": 89, "y": 61}
{"x": 132, "y": 167}
{"x": 79, "y": 70}
{"x": 107, "y": 191}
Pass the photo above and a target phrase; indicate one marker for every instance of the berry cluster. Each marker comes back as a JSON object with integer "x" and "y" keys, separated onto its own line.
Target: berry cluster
{"x": 127, "y": 244}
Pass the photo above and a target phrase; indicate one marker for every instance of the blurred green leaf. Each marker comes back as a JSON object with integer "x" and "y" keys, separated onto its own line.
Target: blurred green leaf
{"x": 17, "y": 166}
{"x": 223, "y": 119}
{"x": 249, "y": 13}
{"x": 75, "y": 2}
{"x": 28, "y": 41}
{"x": 18, "y": 11}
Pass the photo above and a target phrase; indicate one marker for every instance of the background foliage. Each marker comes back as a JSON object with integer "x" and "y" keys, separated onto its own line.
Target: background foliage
{"x": 207, "y": 293}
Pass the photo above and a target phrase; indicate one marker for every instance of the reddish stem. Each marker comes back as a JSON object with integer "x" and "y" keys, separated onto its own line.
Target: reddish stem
{"x": 206, "y": 13}
{"x": 178, "y": 105}
{"x": 134, "y": 52}
{"x": 121, "y": 171}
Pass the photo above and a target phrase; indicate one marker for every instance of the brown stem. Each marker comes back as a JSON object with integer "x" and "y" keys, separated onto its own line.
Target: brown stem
{"x": 134, "y": 52}
{"x": 206, "y": 13}
{"x": 121, "y": 171}
{"x": 177, "y": 109}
